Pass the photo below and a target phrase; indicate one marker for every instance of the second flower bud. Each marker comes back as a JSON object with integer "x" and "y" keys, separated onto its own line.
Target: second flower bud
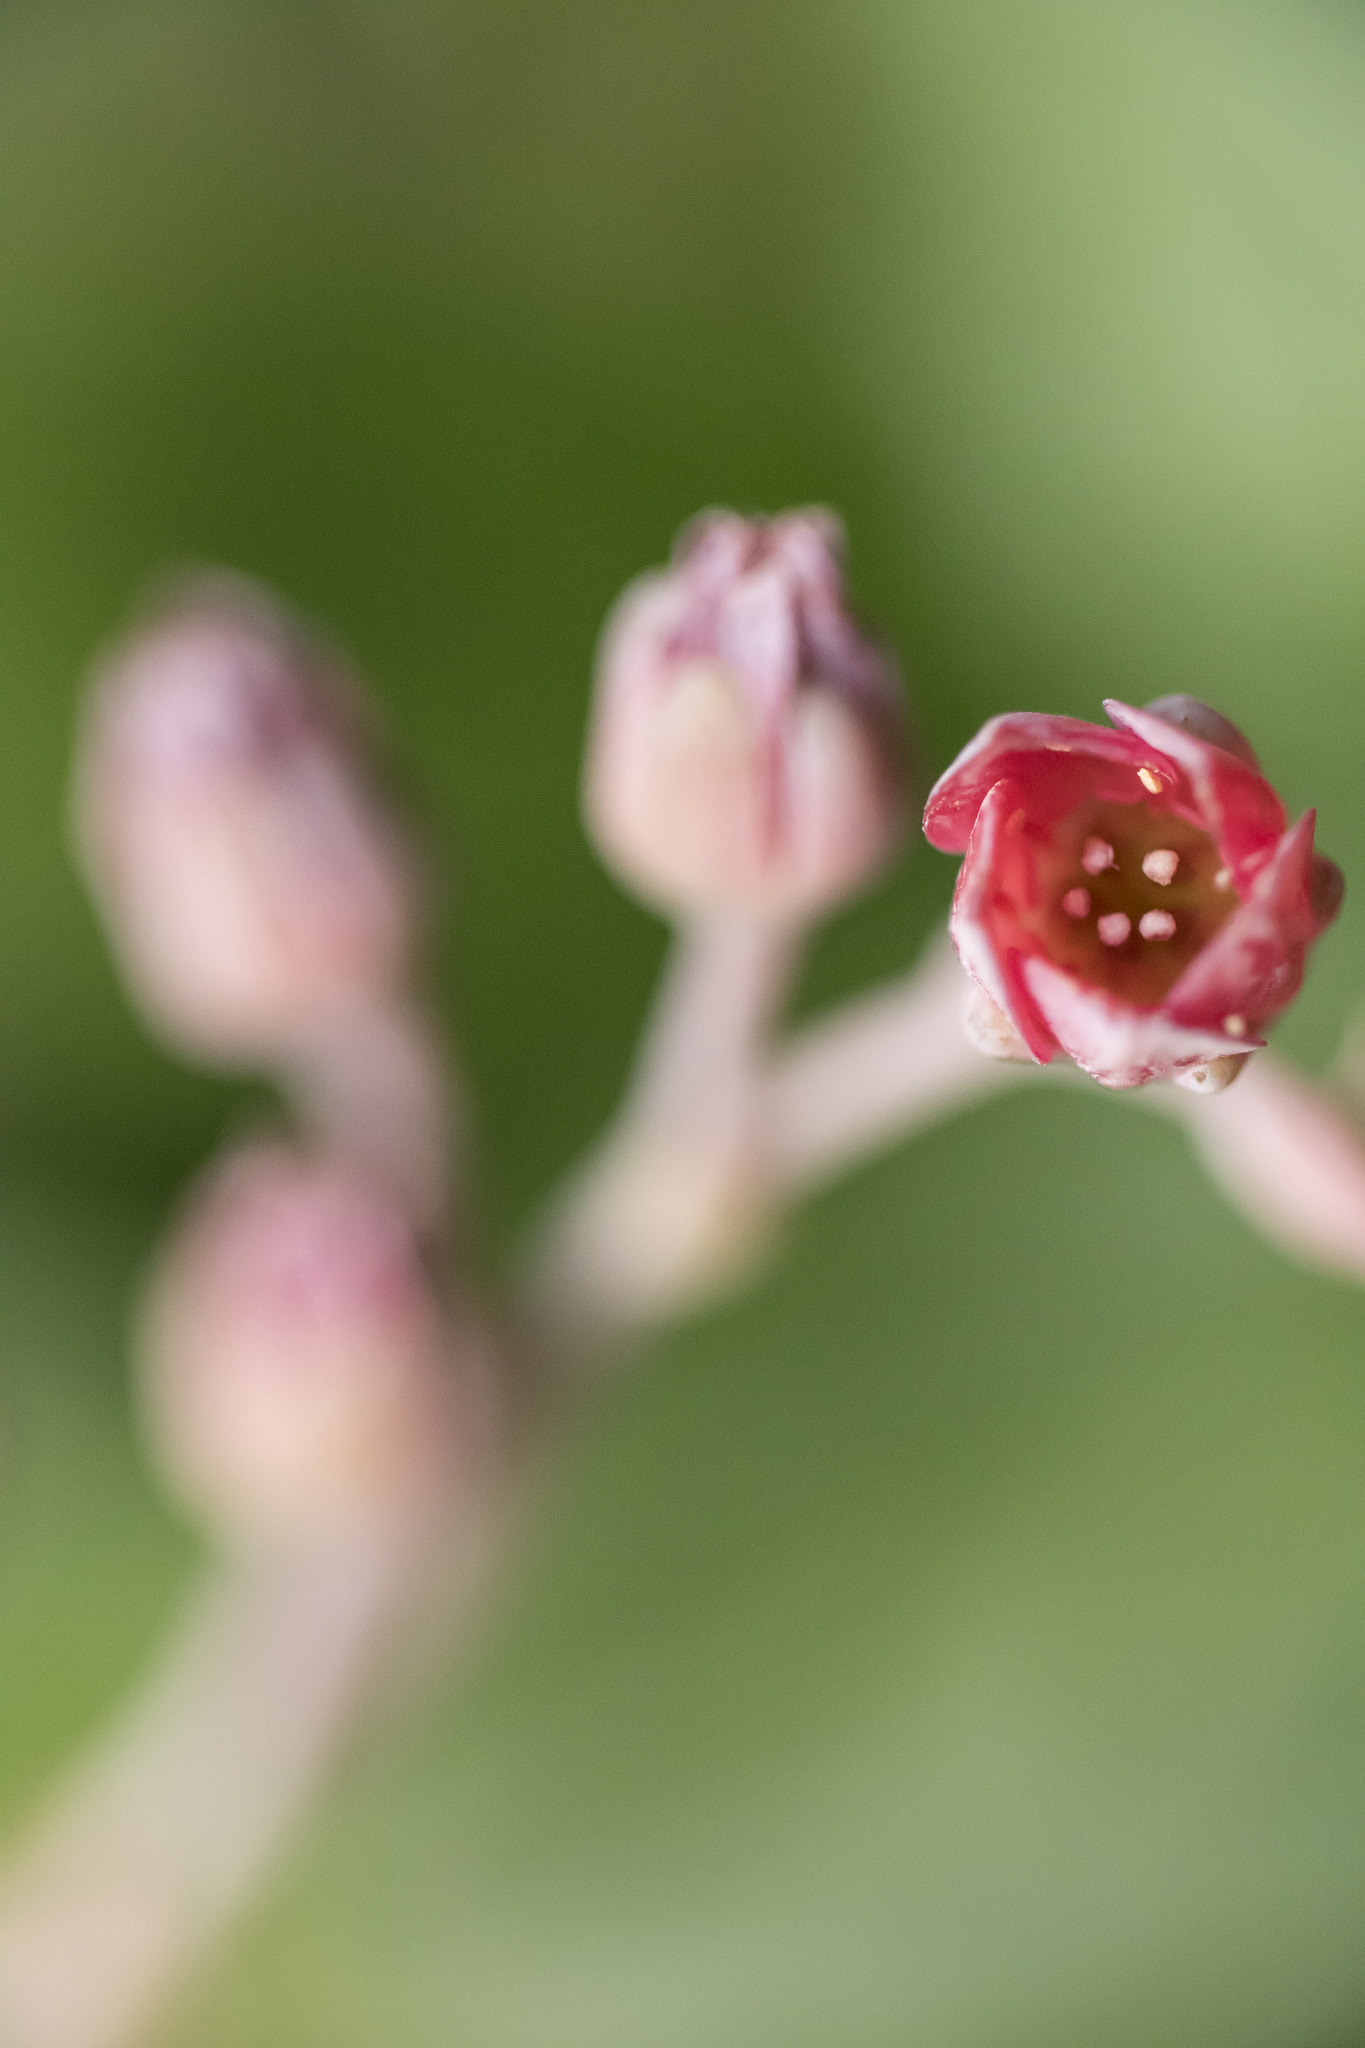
{"x": 746, "y": 751}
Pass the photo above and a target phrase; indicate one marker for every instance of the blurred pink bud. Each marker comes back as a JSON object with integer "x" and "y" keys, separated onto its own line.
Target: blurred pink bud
{"x": 297, "y": 1374}
{"x": 251, "y": 883}
{"x": 746, "y": 750}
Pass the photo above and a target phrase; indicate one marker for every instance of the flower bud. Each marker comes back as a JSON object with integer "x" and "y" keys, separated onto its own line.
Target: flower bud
{"x": 251, "y": 884}
{"x": 296, "y": 1375}
{"x": 746, "y": 748}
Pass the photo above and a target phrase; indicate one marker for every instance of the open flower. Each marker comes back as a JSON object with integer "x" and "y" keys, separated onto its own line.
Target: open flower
{"x": 745, "y": 752}
{"x": 1129, "y": 897}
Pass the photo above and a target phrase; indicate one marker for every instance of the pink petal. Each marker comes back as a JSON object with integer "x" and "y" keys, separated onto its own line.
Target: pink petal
{"x": 1111, "y": 1040}
{"x": 1253, "y": 967}
{"x": 991, "y": 946}
{"x": 1235, "y": 804}
{"x": 1061, "y": 763}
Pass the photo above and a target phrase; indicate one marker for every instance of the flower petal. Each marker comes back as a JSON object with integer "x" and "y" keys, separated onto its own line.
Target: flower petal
{"x": 1112, "y": 1040}
{"x": 1235, "y": 804}
{"x": 989, "y": 941}
{"x": 1060, "y": 762}
{"x": 1253, "y": 967}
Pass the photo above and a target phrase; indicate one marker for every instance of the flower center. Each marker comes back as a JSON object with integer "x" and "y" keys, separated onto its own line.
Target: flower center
{"x": 1126, "y": 896}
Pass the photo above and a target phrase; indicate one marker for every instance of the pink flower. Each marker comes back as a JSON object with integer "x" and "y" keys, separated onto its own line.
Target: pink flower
{"x": 1129, "y": 897}
{"x": 745, "y": 750}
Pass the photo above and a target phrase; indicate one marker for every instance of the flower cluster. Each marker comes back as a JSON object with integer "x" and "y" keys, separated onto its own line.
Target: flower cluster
{"x": 319, "y": 1384}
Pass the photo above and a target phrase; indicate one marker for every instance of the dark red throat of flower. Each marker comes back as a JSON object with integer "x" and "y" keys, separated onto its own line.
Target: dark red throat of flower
{"x": 1125, "y": 895}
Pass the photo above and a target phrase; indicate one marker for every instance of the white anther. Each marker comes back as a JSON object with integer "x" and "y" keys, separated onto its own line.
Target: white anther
{"x": 1096, "y": 856}
{"x": 1235, "y": 1025}
{"x": 1157, "y": 924}
{"x": 1223, "y": 879}
{"x": 1114, "y": 929}
{"x": 1150, "y": 780}
{"x": 1160, "y": 865}
{"x": 1076, "y": 903}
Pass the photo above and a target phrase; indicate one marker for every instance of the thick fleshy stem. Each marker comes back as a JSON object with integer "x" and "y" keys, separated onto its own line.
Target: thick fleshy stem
{"x": 377, "y": 1089}
{"x": 875, "y": 1071}
{"x": 133, "y": 1873}
{"x": 177, "y": 1814}
{"x": 1290, "y": 1158}
{"x": 673, "y": 1204}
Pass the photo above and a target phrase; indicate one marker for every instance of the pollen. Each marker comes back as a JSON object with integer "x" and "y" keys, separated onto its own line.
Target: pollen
{"x": 1114, "y": 928}
{"x": 1160, "y": 865}
{"x": 1157, "y": 924}
{"x": 1076, "y": 903}
{"x": 1150, "y": 780}
{"x": 1235, "y": 1025}
{"x": 1096, "y": 856}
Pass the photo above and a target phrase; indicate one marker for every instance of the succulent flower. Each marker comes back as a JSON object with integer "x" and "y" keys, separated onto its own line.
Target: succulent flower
{"x": 746, "y": 750}
{"x": 1131, "y": 896}
{"x": 252, "y": 885}
{"x": 296, "y": 1370}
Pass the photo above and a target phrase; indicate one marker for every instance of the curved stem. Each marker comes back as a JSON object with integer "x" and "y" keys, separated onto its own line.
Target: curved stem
{"x": 378, "y": 1089}
{"x": 1288, "y": 1157}
{"x": 174, "y": 1819}
{"x": 882, "y": 1067}
{"x": 670, "y": 1204}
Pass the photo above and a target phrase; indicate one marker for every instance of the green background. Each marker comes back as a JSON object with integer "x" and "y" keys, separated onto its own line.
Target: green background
{"x": 959, "y": 1641}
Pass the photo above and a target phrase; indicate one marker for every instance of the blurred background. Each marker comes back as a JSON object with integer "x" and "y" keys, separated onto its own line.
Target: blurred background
{"x": 960, "y": 1639}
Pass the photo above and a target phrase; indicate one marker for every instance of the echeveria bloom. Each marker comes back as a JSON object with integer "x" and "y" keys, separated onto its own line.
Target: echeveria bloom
{"x": 745, "y": 751}
{"x": 1131, "y": 897}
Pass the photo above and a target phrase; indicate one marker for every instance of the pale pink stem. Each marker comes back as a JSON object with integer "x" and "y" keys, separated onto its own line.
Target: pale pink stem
{"x": 1288, "y": 1157}
{"x": 875, "y": 1071}
{"x": 378, "y": 1089}
{"x": 176, "y": 1817}
{"x": 667, "y": 1205}
{"x": 724, "y": 981}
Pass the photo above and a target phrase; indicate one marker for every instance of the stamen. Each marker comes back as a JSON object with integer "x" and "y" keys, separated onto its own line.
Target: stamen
{"x": 1235, "y": 1025}
{"x": 1096, "y": 856}
{"x": 1076, "y": 903}
{"x": 1114, "y": 928}
{"x": 1157, "y": 924}
{"x": 1223, "y": 879}
{"x": 1150, "y": 780}
{"x": 1160, "y": 865}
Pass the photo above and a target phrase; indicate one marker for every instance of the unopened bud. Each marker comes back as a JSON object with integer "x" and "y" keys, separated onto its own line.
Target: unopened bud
{"x": 746, "y": 750}
{"x": 253, "y": 887}
{"x": 296, "y": 1373}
